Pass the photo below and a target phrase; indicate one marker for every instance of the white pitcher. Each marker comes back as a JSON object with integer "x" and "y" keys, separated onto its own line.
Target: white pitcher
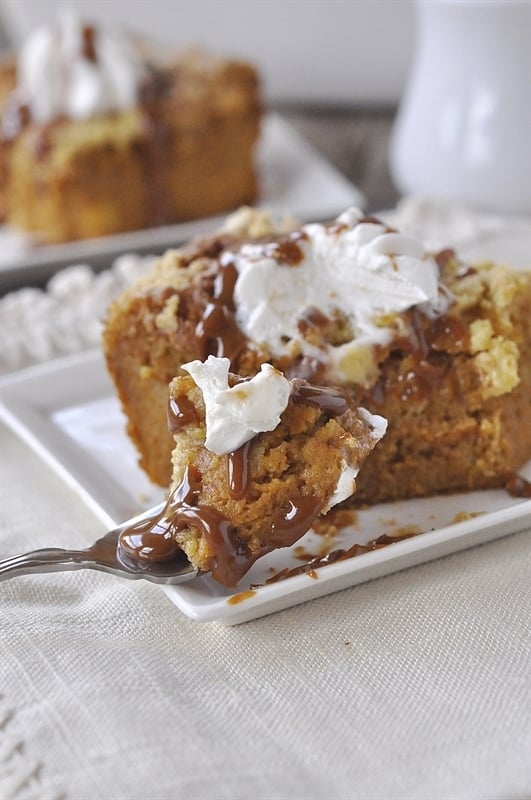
{"x": 463, "y": 131}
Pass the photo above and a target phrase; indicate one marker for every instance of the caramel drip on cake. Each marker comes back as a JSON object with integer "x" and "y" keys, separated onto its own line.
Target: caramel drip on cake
{"x": 294, "y": 522}
{"x": 218, "y": 332}
{"x": 313, "y": 318}
{"x": 181, "y": 412}
{"x": 150, "y": 540}
{"x": 330, "y": 402}
{"x": 238, "y": 471}
{"x": 154, "y": 539}
{"x": 426, "y": 347}
{"x": 285, "y": 249}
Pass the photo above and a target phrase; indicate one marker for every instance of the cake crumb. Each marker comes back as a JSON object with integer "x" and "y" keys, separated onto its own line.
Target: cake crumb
{"x": 463, "y": 516}
{"x": 498, "y": 367}
{"x": 481, "y": 333}
{"x": 167, "y": 319}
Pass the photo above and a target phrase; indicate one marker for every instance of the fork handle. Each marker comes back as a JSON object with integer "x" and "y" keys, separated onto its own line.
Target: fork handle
{"x": 51, "y": 559}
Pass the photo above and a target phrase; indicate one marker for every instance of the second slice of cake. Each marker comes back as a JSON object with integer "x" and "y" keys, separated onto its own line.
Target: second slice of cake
{"x": 101, "y": 133}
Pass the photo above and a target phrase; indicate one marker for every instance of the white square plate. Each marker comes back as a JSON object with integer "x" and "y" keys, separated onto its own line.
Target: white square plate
{"x": 67, "y": 411}
{"x": 294, "y": 179}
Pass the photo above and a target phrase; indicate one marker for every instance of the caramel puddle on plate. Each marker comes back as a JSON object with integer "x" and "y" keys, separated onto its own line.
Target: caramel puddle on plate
{"x": 328, "y": 529}
{"x": 241, "y": 597}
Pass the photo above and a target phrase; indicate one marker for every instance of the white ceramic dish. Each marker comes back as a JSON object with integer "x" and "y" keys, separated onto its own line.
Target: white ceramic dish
{"x": 294, "y": 179}
{"x": 66, "y": 411}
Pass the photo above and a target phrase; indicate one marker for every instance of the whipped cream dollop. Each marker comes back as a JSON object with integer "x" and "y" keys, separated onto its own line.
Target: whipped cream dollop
{"x": 79, "y": 71}
{"x": 235, "y": 414}
{"x": 355, "y": 266}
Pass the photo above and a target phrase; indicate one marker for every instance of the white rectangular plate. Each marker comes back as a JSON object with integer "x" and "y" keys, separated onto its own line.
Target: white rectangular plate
{"x": 294, "y": 179}
{"x": 66, "y": 410}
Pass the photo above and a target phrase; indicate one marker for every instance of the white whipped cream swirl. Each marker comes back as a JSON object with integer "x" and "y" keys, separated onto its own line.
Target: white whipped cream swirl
{"x": 360, "y": 269}
{"x": 236, "y": 414}
{"x": 74, "y": 70}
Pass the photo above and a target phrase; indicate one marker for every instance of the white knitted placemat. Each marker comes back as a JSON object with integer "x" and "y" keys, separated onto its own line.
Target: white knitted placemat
{"x": 66, "y": 317}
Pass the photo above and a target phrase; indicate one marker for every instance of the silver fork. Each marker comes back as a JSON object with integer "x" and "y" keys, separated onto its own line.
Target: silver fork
{"x": 103, "y": 555}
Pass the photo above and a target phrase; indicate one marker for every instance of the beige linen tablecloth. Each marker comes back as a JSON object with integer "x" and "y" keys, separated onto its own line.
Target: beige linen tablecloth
{"x": 416, "y": 685}
{"x": 411, "y": 686}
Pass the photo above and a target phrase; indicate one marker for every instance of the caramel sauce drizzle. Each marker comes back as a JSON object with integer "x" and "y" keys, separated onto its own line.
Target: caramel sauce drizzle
{"x": 294, "y": 522}
{"x": 217, "y": 332}
{"x": 339, "y": 555}
{"x": 181, "y": 412}
{"x": 425, "y": 345}
{"x": 444, "y": 257}
{"x": 154, "y": 539}
{"x": 312, "y": 319}
{"x": 238, "y": 471}
{"x": 286, "y": 249}
{"x": 330, "y": 402}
